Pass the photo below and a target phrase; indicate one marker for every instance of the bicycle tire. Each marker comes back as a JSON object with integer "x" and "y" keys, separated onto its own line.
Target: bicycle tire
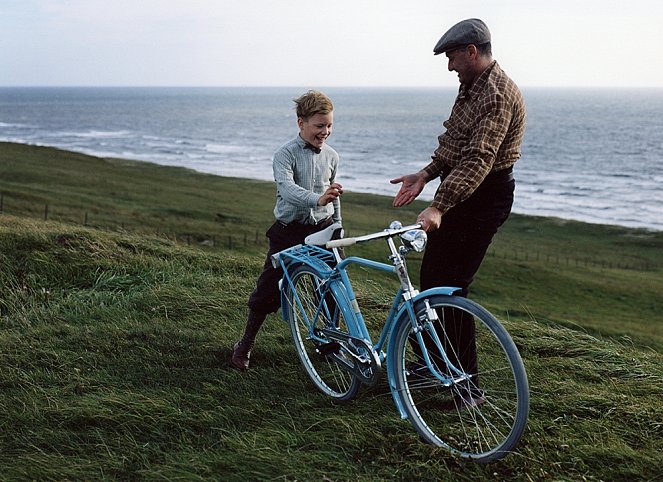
{"x": 488, "y": 424}
{"x": 326, "y": 373}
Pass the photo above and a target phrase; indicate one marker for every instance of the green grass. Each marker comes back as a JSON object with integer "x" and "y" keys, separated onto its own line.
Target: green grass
{"x": 115, "y": 336}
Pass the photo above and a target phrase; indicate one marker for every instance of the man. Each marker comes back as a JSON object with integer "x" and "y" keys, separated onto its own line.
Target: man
{"x": 307, "y": 201}
{"x": 474, "y": 162}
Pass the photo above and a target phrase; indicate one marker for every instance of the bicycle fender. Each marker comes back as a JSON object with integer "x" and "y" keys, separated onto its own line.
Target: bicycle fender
{"x": 438, "y": 290}
{"x": 314, "y": 263}
{"x": 336, "y": 287}
{"x": 284, "y": 302}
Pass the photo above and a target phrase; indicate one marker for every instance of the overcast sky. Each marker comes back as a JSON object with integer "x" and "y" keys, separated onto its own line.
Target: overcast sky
{"x": 316, "y": 44}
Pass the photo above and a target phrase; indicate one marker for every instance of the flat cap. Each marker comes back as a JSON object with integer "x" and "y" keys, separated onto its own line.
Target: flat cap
{"x": 470, "y": 31}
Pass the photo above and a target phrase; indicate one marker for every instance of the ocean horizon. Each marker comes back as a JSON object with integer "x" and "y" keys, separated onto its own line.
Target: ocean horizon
{"x": 592, "y": 155}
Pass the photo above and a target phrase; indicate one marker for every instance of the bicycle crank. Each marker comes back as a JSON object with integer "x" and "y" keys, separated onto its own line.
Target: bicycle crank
{"x": 354, "y": 354}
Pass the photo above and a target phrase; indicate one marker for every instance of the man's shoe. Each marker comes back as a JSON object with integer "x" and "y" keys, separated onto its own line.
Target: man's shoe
{"x": 464, "y": 400}
{"x": 241, "y": 355}
{"x": 470, "y": 399}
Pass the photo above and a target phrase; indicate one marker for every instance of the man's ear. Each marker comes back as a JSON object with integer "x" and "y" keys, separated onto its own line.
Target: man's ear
{"x": 300, "y": 123}
{"x": 472, "y": 51}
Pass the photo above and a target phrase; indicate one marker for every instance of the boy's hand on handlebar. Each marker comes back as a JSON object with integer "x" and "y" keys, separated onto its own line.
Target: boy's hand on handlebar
{"x": 332, "y": 192}
{"x": 430, "y": 219}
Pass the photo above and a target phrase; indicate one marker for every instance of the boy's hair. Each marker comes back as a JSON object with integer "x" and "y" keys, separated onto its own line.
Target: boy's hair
{"x": 311, "y": 103}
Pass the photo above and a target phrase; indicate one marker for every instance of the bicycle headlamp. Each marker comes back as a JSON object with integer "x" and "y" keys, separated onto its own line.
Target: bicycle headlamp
{"x": 415, "y": 239}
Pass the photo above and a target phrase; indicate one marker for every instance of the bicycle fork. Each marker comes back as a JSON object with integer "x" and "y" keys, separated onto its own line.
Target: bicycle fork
{"x": 425, "y": 322}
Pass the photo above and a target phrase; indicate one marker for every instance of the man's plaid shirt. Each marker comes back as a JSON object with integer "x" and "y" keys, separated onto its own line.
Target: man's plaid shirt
{"x": 483, "y": 134}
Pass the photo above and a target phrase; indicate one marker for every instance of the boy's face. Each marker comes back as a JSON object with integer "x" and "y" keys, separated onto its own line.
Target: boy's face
{"x": 316, "y": 128}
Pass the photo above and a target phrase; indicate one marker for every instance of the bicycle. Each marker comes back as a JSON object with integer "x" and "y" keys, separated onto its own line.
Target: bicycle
{"x": 432, "y": 377}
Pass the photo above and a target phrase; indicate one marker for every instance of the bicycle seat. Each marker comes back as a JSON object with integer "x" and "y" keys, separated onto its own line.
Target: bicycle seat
{"x": 335, "y": 231}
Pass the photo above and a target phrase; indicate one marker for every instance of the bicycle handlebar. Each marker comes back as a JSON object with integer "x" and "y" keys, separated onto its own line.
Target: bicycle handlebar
{"x": 340, "y": 243}
{"x": 387, "y": 233}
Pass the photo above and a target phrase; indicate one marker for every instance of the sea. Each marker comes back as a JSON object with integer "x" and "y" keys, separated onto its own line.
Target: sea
{"x": 592, "y": 155}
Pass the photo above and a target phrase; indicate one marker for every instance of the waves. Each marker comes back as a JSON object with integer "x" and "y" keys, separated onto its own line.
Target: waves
{"x": 599, "y": 164}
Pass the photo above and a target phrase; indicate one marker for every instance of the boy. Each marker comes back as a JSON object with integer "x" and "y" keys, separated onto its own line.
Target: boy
{"x": 307, "y": 201}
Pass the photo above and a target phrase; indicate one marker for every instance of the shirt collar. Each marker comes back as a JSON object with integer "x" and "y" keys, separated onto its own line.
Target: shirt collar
{"x": 478, "y": 85}
{"x": 303, "y": 144}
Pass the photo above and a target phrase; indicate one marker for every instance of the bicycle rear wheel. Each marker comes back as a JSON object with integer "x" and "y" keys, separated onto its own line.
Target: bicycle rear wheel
{"x": 483, "y": 412}
{"x": 308, "y": 315}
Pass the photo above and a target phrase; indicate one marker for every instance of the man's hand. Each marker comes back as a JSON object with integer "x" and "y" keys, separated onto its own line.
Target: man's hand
{"x": 332, "y": 192}
{"x": 430, "y": 219}
{"x": 412, "y": 186}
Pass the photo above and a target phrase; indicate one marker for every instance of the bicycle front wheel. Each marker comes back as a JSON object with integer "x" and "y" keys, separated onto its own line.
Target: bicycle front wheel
{"x": 311, "y": 309}
{"x": 476, "y": 403}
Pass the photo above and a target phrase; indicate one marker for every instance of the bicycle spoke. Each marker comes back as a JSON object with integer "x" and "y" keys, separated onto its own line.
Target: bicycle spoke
{"x": 479, "y": 409}
{"x": 455, "y": 372}
{"x": 311, "y": 309}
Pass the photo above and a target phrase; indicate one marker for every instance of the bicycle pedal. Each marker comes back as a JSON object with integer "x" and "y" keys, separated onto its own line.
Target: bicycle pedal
{"x": 329, "y": 348}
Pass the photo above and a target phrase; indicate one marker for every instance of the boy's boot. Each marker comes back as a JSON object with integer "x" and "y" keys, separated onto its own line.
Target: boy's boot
{"x": 242, "y": 349}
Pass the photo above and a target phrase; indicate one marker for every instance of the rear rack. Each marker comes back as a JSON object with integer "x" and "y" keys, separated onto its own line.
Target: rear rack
{"x": 316, "y": 257}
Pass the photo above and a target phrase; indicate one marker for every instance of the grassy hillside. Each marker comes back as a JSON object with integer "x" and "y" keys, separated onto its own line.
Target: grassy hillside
{"x": 114, "y": 338}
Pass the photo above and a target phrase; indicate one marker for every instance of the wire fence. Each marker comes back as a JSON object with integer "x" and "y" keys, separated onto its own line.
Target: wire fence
{"x": 222, "y": 239}
{"x": 570, "y": 261}
{"x": 226, "y": 239}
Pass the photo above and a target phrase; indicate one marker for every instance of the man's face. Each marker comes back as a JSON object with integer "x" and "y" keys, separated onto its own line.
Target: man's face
{"x": 460, "y": 62}
{"x": 316, "y": 128}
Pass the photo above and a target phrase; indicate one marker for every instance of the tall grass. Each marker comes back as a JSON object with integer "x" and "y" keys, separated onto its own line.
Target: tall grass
{"x": 114, "y": 348}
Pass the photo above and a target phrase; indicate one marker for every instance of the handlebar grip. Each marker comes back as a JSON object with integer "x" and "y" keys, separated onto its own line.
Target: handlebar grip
{"x": 340, "y": 243}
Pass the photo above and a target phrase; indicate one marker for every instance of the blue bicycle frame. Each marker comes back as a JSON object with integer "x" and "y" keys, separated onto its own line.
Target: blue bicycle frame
{"x": 336, "y": 280}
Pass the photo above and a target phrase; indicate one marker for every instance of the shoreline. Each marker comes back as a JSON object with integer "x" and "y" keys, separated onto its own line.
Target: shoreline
{"x": 602, "y": 167}
{"x": 425, "y": 197}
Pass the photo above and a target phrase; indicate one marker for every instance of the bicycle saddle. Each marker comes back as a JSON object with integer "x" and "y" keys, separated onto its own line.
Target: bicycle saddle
{"x": 335, "y": 231}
